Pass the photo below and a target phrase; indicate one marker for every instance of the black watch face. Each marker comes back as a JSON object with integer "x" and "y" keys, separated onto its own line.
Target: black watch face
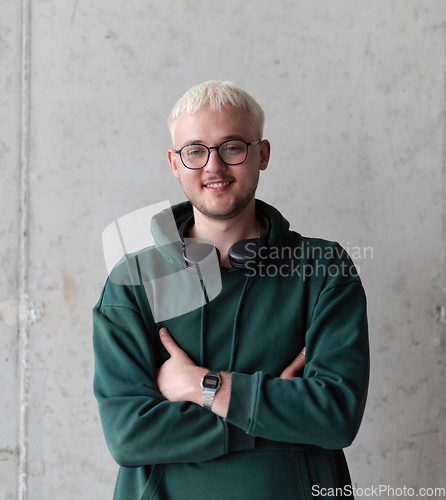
{"x": 211, "y": 382}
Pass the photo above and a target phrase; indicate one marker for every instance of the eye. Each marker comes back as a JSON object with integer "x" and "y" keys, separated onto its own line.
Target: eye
{"x": 233, "y": 147}
{"x": 194, "y": 151}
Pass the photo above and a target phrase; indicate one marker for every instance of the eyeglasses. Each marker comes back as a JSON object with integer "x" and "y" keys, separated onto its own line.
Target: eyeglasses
{"x": 233, "y": 152}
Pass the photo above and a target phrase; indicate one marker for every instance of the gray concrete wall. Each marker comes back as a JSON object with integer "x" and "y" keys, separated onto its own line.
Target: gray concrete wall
{"x": 354, "y": 94}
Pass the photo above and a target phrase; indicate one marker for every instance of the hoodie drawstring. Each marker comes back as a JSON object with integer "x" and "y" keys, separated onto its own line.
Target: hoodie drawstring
{"x": 202, "y": 332}
{"x": 234, "y": 330}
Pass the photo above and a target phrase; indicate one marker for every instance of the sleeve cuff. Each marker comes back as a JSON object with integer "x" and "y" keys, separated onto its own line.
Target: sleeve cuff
{"x": 242, "y": 400}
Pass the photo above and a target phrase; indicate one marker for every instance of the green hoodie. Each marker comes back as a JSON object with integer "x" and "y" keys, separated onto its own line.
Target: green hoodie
{"x": 281, "y": 439}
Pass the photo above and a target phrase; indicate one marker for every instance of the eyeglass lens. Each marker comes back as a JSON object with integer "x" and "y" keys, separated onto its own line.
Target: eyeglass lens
{"x": 230, "y": 152}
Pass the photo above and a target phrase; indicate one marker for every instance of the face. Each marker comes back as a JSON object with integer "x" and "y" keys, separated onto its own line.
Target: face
{"x": 219, "y": 191}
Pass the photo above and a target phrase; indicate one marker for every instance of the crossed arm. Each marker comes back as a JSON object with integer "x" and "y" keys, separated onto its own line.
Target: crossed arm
{"x": 179, "y": 377}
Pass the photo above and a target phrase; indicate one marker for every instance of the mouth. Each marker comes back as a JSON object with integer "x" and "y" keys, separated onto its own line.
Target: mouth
{"x": 218, "y": 186}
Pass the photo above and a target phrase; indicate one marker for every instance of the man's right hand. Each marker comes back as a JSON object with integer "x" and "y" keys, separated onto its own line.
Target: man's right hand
{"x": 295, "y": 367}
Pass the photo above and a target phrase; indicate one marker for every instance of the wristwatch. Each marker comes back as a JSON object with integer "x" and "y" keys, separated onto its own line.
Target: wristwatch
{"x": 210, "y": 383}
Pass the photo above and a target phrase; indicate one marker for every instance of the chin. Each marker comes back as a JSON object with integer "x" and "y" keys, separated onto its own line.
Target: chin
{"x": 222, "y": 207}
{"x": 222, "y": 213}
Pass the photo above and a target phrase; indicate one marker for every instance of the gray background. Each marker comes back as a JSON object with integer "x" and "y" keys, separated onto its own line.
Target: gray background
{"x": 354, "y": 94}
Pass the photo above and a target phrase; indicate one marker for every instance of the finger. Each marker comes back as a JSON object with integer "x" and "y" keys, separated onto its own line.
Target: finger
{"x": 299, "y": 362}
{"x": 168, "y": 342}
{"x": 295, "y": 366}
{"x": 301, "y": 356}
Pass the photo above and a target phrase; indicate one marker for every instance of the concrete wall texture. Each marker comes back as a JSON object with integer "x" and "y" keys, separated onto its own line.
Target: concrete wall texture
{"x": 354, "y": 94}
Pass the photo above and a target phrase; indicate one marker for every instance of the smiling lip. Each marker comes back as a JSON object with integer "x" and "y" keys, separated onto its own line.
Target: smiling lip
{"x": 218, "y": 186}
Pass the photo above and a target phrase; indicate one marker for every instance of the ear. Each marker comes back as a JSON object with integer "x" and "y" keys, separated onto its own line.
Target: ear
{"x": 265, "y": 152}
{"x": 173, "y": 158}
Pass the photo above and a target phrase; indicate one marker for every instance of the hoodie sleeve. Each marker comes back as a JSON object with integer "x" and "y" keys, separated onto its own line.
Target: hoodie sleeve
{"x": 140, "y": 426}
{"x": 325, "y": 406}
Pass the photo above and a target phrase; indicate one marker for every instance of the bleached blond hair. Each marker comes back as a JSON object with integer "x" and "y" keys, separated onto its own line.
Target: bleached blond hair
{"x": 217, "y": 94}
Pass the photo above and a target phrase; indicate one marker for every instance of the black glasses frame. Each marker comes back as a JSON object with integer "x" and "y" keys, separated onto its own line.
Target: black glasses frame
{"x": 178, "y": 152}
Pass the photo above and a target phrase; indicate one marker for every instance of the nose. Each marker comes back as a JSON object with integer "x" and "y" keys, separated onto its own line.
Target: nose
{"x": 214, "y": 164}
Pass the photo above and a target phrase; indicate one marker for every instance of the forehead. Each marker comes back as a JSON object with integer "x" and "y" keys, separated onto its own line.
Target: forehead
{"x": 212, "y": 125}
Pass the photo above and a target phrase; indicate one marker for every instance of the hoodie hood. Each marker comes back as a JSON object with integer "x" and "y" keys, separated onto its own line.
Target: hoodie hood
{"x": 164, "y": 229}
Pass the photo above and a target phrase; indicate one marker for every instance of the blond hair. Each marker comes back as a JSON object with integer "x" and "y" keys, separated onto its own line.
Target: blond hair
{"x": 217, "y": 94}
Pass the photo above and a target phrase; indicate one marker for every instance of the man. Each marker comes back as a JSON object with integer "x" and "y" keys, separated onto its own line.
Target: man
{"x": 211, "y": 404}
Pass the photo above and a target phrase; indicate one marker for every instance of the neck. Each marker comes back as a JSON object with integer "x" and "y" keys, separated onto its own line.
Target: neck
{"x": 224, "y": 233}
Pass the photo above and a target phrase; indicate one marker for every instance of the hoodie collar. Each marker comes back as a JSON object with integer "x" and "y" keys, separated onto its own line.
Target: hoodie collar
{"x": 164, "y": 228}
